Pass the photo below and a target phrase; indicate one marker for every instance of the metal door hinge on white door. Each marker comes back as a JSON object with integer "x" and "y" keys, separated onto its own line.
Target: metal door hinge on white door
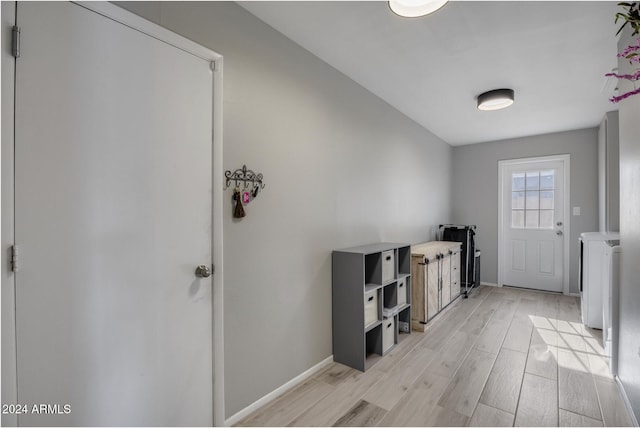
{"x": 14, "y": 258}
{"x": 15, "y": 41}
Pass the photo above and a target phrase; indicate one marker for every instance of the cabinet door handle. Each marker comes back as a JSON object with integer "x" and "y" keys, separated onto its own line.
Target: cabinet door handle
{"x": 388, "y": 258}
{"x": 390, "y": 324}
{"x": 370, "y": 298}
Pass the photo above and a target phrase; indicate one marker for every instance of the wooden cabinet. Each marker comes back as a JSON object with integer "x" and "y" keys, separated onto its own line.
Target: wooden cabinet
{"x": 371, "y": 301}
{"x": 435, "y": 281}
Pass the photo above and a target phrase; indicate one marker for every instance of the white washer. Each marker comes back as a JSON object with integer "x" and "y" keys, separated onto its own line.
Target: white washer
{"x": 592, "y": 264}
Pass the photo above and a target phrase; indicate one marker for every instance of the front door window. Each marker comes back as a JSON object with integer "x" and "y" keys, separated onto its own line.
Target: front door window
{"x": 532, "y": 195}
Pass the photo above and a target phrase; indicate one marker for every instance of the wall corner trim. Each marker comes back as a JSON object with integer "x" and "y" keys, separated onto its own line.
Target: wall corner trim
{"x": 237, "y": 417}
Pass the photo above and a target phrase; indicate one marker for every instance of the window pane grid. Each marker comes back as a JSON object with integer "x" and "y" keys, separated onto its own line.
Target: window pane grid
{"x": 532, "y": 199}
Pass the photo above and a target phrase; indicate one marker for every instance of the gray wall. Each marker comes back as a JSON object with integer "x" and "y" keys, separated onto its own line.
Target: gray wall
{"x": 629, "y": 333}
{"x": 475, "y": 188}
{"x": 341, "y": 168}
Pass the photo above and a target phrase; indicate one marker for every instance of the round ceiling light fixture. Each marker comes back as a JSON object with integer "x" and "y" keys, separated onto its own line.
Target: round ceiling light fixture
{"x": 496, "y": 99}
{"x": 415, "y": 8}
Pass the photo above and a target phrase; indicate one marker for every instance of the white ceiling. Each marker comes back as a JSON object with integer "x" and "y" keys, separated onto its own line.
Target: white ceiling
{"x": 553, "y": 54}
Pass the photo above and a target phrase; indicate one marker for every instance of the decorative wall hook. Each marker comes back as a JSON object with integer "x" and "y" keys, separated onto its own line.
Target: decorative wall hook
{"x": 244, "y": 179}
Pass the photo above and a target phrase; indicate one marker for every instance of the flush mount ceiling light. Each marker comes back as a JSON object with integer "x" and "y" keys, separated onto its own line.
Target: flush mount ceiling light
{"x": 415, "y": 8}
{"x": 496, "y": 99}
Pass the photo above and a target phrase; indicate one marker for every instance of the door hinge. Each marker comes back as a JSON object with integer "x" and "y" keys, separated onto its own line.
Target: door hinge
{"x": 15, "y": 42}
{"x": 14, "y": 258}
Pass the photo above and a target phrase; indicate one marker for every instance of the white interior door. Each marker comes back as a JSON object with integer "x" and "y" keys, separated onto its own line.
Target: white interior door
{"x": 113, "y": 210}
{"x": 533, "y": 224}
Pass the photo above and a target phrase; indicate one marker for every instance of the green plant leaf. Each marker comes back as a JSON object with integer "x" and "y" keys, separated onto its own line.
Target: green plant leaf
{"x": 630, "y": 16}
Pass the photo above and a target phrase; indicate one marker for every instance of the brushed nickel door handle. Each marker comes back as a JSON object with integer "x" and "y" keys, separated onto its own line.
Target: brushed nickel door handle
{"x": 203, "y": 271}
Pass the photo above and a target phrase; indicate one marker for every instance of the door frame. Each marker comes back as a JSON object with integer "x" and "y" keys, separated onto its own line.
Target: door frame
{"x": 122, "y": 16}
{"x": 566, "y": 161}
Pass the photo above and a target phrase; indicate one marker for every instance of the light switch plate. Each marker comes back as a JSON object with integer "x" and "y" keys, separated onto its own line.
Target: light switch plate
{"x": 576, "y": 211}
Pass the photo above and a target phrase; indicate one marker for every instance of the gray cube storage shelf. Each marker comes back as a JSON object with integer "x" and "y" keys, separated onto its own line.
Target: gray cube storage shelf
{"x": 371, "y": 301}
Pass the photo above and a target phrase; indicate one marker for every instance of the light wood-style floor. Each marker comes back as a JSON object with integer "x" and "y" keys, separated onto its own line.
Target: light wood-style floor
{"x": 502, "y": 357}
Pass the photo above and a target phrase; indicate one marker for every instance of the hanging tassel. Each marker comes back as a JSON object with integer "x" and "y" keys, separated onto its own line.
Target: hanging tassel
{"x": 238, "y": 212}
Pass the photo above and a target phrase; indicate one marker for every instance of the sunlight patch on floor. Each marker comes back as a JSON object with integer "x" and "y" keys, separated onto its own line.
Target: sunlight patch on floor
{"x": 573, "y": 346}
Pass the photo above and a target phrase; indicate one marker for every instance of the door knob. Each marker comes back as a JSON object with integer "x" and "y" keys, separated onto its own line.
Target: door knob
{"x": 559, "y": 232}
{"x": 203, "y": 271}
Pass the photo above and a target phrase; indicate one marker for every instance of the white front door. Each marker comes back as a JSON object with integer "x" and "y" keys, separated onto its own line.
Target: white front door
{"x": 533, "y": 223}
{"x": 113, "y": 209}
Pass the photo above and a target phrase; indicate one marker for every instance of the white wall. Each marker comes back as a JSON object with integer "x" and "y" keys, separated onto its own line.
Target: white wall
{"x": 475, "y": 188}
{"x": 629, "y": 336}
{"x": 341, "y": 168}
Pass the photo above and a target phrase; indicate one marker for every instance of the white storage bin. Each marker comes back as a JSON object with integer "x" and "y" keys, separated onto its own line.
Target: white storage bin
{"x": 388, "y": 266}
{"x": 388, "y": 333}
{"x": 389, "y": 312}
{"x": 402, "y": 292}
{"x": 370, "y": 307}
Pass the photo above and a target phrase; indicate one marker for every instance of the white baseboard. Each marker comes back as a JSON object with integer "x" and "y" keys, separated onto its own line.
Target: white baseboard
{"x": 277, "y": 392}
{"x": 627, "y": 403}
{"x": 534, "y": 290}
{"x": 488, "y": 284}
